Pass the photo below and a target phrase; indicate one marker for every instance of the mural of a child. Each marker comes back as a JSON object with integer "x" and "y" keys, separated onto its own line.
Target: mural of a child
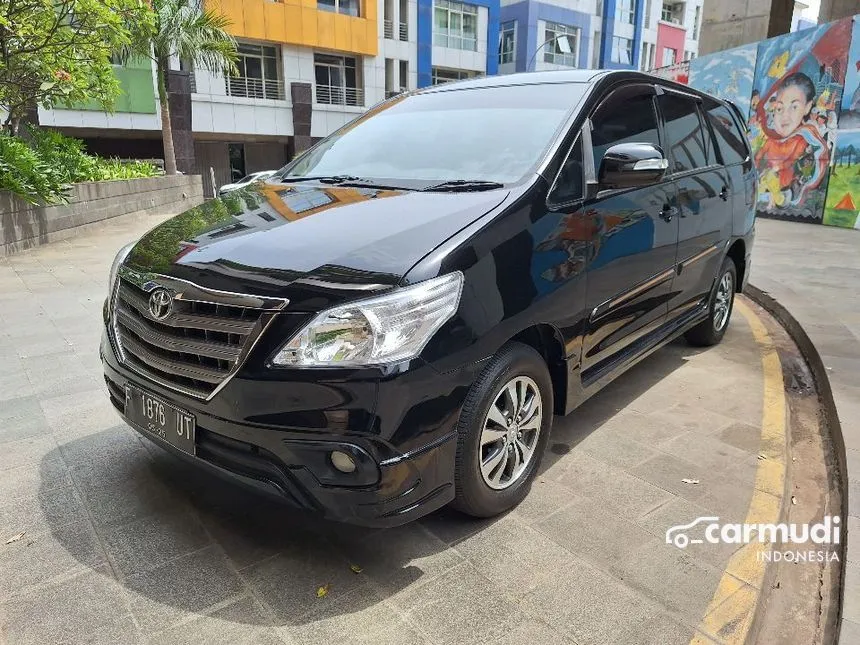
{"x": 793, "y": 158}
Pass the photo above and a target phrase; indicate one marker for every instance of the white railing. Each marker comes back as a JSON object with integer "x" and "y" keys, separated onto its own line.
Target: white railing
{"x": 339, "y": 95}
{"x": 255, "y": 88}
{"x": 388, "y": 29}
{"x": 192, "y": 82}
{"x": 390, "y": 93}
{"x": 404, "y": 31}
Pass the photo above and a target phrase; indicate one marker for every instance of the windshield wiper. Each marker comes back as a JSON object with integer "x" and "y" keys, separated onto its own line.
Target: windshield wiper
{"x": 347, "y": 181}
{"x": 464, "y": 185}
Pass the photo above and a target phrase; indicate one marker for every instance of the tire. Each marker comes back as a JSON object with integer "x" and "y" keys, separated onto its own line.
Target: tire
{"x": 711, "y": 330}
{"x": 497, "y": 488}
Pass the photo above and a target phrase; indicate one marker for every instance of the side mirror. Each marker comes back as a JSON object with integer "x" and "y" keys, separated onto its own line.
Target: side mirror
{"x": 629, "y": 165}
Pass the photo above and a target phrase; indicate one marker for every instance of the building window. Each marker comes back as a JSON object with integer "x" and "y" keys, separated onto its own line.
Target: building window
{"x": 562, "y": 44}
{"x": 669, "y": 56}
{"x": 626, "y": 12}
{"x": 647, "y": 14}
{"x": 348, "y": 7}
{"x": 259, "y": 73}
{"x": 696, "y": 18}
{"x": 442, "y": 75}
{"x": 508, "y": 42}
{"x": 595, "y": 52}
{"x": 672, "y": 12}
{"x": 337, "y": 80}
{"x": 622, "y": 50}
{"x": 455, "y": 25}
{"x": 599, "y": 10}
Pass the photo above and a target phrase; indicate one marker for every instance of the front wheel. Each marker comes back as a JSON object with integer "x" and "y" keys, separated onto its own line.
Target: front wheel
{"x": 502, "y": 433}
{"x": 711, "y": 330}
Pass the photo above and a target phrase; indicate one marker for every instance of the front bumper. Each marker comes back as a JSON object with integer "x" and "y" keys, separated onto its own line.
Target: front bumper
{"x": 401, "y": 429}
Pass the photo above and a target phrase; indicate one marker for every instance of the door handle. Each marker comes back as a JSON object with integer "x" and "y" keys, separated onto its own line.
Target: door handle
{"x": 668, "y": 213}
{"x": 724, "y": 193}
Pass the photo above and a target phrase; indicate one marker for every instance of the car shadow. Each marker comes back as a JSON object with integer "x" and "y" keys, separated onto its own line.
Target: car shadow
{"x": 182, "y": 541}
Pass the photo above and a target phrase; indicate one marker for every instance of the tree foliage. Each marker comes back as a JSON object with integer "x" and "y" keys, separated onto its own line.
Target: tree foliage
{"x": 58, "y": 52}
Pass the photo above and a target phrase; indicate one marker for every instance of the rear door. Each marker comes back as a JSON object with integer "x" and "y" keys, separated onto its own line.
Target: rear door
{"x": 704, "y": 200}
{"x": 632, "y": 257}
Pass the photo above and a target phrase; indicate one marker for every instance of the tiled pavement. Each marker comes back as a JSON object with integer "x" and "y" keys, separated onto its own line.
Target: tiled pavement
{"x": 122, "y": 544}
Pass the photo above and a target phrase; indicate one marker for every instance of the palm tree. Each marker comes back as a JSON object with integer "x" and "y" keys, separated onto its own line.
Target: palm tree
{"x": 184, "y": 29}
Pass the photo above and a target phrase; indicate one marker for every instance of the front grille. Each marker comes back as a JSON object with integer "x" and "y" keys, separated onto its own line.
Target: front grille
{"x": 195, "y": 348}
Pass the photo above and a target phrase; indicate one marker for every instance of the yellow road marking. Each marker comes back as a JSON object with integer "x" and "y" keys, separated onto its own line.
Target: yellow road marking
{"x": 730, "y": 613}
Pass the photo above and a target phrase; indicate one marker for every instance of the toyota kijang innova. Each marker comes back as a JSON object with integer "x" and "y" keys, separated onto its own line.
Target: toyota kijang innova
{"x": 389, "y": 323}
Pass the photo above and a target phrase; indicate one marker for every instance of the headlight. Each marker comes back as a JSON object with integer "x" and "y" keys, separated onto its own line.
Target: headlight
{"x": 117, "y": 263}
{"x": 385, "y": 329}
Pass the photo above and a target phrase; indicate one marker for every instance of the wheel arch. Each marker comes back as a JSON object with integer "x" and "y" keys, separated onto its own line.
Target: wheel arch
{"x": 547, "y": 341}
{"x": 737, "y": 253}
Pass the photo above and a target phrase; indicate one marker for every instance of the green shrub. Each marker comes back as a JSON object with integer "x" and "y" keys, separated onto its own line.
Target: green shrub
{"x": 40, "y": 170}
{"x": 24, "y": 173}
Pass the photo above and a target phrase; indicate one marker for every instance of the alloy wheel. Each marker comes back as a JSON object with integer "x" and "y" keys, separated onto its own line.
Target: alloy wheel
{"x": 723, "y": 301}
{"x": 510, "y": 432}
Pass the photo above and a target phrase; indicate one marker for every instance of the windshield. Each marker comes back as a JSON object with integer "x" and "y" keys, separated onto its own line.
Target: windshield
{"x": 489, "y": 134}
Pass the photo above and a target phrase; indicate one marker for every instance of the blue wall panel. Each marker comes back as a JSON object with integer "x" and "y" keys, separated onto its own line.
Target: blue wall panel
{"x": 425, "y": 38}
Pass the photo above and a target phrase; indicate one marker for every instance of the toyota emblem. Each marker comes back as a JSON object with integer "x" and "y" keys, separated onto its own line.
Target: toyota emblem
{"x": 160, "y": 304}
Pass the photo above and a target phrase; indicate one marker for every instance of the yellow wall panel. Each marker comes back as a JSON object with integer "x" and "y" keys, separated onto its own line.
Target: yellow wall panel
{"x": 292, "y": 24}
{"x": 273, "y": 22}
{"x": 299, "y": 22}
{"x": 325, "y": 28}
{"x": 255, "y": 23}
{"x": 342, "y": 28}
{"x": 309, "y": 27}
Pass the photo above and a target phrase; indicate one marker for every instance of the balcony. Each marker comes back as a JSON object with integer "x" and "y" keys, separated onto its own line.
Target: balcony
{"x": 388, "y": 29}
{"x": 255, "y": 88}
{"x": 339, "y": 95}
{"x": 404, "y": 31}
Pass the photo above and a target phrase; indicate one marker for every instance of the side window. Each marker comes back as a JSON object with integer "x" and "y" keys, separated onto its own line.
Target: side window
{"x": 684, "y": 131}
{"x": 729, "y": 138}
{"x": 570, "y": 182}
{"x": 631, "y": 120}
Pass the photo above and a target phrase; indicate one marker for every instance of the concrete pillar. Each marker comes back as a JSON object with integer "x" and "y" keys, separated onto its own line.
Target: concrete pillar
{"x": 835, "y": 9}
{"x": 731, "y": 23}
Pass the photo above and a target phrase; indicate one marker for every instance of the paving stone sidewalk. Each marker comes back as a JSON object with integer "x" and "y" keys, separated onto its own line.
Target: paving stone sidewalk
{"x": 123, "y": 544}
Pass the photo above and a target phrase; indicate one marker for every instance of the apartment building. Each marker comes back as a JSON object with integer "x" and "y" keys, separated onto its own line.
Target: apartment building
{"x": 670, "y": 32}
{"x": 307, "y": 67}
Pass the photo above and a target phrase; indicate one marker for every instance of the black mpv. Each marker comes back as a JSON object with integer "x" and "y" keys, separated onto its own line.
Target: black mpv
{"x": 389, "y": 323}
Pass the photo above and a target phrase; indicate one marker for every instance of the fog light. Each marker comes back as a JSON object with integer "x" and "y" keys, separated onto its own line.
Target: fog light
{"x": 343, "y": 462}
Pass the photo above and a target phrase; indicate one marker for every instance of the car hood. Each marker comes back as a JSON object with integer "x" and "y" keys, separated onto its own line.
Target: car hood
{"x": 315, "y": 245}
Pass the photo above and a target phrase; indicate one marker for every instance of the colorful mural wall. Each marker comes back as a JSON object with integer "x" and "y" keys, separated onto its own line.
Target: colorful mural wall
{"x": 801, "y": 95}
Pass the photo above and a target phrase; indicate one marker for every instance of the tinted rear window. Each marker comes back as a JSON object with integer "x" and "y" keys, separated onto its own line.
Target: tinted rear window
{"x": 730, "y": 140}
{"x": 491, "y": 134}
{"x": 684, "y": 131}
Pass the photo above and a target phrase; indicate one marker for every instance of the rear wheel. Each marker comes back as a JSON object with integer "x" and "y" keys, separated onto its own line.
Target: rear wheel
{"x": 502, "y": 433}
{"x": 711, "y": 330}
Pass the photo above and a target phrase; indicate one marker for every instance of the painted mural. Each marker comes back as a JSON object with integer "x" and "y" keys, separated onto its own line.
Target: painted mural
{"x": 794, "y": 109}
{"x": 728, "y": 74}
{"x": 679, "y": 72}
{"x": 843, "y": 192}
{"x": 850, "y": 116}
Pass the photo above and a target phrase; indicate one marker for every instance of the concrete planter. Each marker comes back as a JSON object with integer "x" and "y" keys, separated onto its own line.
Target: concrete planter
{"x": 23, "y": 226}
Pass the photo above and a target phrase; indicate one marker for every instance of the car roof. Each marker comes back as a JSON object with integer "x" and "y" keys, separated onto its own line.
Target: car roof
{"x": 560, "y": 77}
{"x": 520, "y": 78}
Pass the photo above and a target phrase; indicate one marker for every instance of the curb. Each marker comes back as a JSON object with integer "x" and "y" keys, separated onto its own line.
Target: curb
{"x": 830, "y": 416}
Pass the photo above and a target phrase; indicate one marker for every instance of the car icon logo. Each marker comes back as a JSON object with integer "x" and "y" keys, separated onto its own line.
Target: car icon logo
{"x": 160, "y": 304}
{"x": 676, "y": 534}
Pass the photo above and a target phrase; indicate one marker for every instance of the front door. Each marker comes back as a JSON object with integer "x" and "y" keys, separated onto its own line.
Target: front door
{"x": 632, "y": 259}
{"x": 704, "y": 201}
